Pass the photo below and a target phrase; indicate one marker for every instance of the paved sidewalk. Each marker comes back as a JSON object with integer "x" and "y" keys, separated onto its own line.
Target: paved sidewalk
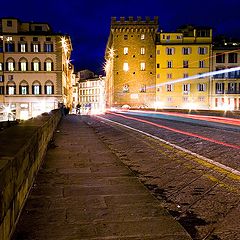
{"x": 83, "y": 191}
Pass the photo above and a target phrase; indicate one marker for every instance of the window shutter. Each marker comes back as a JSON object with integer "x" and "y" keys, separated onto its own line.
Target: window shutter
{"x": 7, "y": 90}
{"x": 40, "y": 89}
{"x": 20, "y": 89}
{"x": 39, "y": 47}
{"x": 45, "y": 66}
{"x": 26, "y": 66}
{"x": 19, "y": 66}
{"x": 51, "y": 47}
{"x": 19, "y": 47}
{"x": 33, "y": 89}
{"x": 39, "y": 66}
{"x": 52, "y": 66}
{"x": 13, "y": 65}
{"x": 32, "y": 66}
{"x": 45, "y": 89}
{"x": 52, "y": 89}
{"x": 31, "y": 47}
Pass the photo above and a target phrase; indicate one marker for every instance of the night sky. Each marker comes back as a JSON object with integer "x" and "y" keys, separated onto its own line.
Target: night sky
{"x": 88, "y": 21}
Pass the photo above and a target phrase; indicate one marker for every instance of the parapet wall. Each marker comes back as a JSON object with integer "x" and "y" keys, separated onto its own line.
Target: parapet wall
{"x": 22, "y": 149}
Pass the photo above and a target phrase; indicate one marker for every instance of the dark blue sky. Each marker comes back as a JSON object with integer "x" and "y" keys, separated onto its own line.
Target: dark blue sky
{"x": 88, "y": 21}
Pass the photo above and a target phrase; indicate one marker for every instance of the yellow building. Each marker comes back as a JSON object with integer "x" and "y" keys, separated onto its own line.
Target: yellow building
{"x": 130, "y": 65}
{"x": 181, "y": 58}
{"x": 225, "y": 94}
{"x": 35, "y": 72}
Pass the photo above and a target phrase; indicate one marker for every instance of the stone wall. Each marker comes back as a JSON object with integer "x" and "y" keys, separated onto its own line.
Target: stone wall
{"x": 22, "y": 148}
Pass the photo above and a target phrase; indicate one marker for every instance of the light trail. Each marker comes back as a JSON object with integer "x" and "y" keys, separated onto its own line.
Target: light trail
{"x": 230, "y": 121}
{"x": 180, "y": 131}
{"x": 206, "y": 160}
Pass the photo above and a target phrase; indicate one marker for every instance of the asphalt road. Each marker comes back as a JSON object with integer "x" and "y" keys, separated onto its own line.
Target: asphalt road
{"x": 191, "y": 165}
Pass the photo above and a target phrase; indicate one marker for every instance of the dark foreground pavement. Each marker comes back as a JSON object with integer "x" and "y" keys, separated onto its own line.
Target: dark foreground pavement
{"x": 83, "y": 191}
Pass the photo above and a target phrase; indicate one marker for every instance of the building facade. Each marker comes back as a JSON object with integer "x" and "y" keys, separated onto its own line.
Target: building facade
{"x": 92, "y": 95}
{"x": 130, "y": 66}
{"x": 225, "y": 94}
{"x": 35, "y": 70}
{"x": 179, "y": 57}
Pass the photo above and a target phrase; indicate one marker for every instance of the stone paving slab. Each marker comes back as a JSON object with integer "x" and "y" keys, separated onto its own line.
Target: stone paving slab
{"x": 83, "y": 191}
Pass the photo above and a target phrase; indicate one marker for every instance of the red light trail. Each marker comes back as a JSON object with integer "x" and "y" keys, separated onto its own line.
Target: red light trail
{"x": 179, "y": 131}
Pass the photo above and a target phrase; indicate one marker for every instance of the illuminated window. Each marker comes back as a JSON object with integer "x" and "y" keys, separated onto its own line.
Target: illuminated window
{"x": 10, "y": 66}
{"x": 35, "y": 48}
{"x": 186, "y": 88}
{"x": 125, "y": 67}
{"x": 23, "y": 90}
{"x": 125, "y": 50}
{"x": 48, "y": 66}
{"x": 49, "y": 90}
{"x": 169, "y": 76}
{"x": 186, "y": 50}
{"x": 22, "y": 47}
{"x": 11, "y": 90}
{"x": 201, "y": 87}
{"x": 202, "y": 50}
{"x": 36, "y": 89}
{"x": 169, "y": 51}
{"x": 169, "y": 87}
{"x": 36, "y": 65}
{"x": 142, "y": 36}
{"x": 169, "y": 64}
{"x": 1, "y": 66}
{"x": 201, "y": 64}
{"x": 23, "y": 66}
{"x": 142, "y": 66}
{"x": 1, "y": 78}
{"x": 219, "y": 88}
{"x": 142, "y": 50}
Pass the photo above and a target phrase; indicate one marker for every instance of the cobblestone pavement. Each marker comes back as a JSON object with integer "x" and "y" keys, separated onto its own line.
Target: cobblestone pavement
{"x": 204, "y": 199}
{"x": 83, "y": 191}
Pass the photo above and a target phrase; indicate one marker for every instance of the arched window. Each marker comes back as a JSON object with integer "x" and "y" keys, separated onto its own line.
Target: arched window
{"x": 49, "y": 88}
{"x": 10, "y": 66}
{"x": 23, "y": 64}
{"x": 48, "y": 65}
{"x": 11, "y": 88}
{"x": 36, "y": 65}
{"x": 36, "y": 88}
{"x": 23, "y": 88}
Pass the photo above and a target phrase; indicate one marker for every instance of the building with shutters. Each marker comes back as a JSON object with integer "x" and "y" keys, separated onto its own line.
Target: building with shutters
{"x": 225, "y": 94}
{"x": 182, "y": 57}
{"x": 35, "y": 69}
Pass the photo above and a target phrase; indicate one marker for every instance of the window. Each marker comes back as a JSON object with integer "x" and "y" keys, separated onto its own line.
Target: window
{"x": 169, "y": 64}
{"x": 219, "y": 88}
{"x": 185, "y": 99}
{"x": 185, "y": 75}
{"x": 1, "y": 78}
{"x": 185, "y": 63}
{"x": 48, "y": 47}
{"x": 158, "y": 52}
{"x": 23, "y": 66}
{"x": 10, "y": 77}
{"x": 158, "y": 75}
{"x": 36, "y": 47}
{"x": 220, "y": 57}
{"x": 158, "y": 65}
{"x": 36, "y": 65}
{"x": 22, "y": 47}
{"x": 186, "y": 50}
{"x": 23, "y": 90}
{"x": 169, "y": 99}
{"x": 169, "y": 76}
{"x": 125, "y": 88}
{"x": 11, "y": 89}
{"x": 169, "y": 51}
{"x": 201, "y": 99}
{"x": 186, "y": 88}
{"x": 143, "y": 88}
{"x": 1, "y": 90}
{"x": 48, "y": 66}
{"x": 36, "y": 89}
{"x": 125, "y": 51}
{"x": 125, "y": 37}
{"x": 201, "y": 87}
{"x": 10, "y": 66}
{"x": 201, "y": 64}
{"x": 35, "y": 39}
{"x": 232, "y": 87}
{"x": 1, "y": 66}
{"x": 49, "y": 88}
{"x": 9, "y": 47}
{"x": 232, "y": 57}
{"x": 9, "y": 23}
{"x": 179, "y": 37}
{"x": 169, "y": 87}
{"x": 142, "y": 50}
{"x": 125, "y": 67}
{"x": 48, "y": 39}
{"x": 142, "y": 36}
{"x": 202, "y": 50}
{"x": 142, "y": 66}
